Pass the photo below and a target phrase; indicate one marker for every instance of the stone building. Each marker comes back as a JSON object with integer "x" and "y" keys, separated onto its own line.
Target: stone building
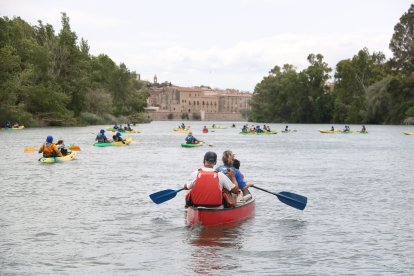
{"x": 197, "y": 103}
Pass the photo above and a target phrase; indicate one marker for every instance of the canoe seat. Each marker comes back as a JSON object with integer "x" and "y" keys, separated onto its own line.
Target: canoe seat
{"x": 221, "y": 207}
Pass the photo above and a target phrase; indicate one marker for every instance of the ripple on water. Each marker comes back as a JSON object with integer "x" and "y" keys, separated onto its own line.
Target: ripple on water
{"x": 93, "y": 216}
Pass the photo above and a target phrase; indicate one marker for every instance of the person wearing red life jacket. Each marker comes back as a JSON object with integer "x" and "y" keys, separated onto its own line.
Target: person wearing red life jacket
{"x": 207, "y": 185}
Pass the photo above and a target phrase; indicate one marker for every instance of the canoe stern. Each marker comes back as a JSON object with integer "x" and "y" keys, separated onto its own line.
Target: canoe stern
{"x": 210, "y": 217}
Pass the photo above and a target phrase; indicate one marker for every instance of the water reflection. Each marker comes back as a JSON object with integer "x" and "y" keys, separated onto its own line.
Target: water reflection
{"x": 213, "y": 249}
{"x": 224, "y": 236}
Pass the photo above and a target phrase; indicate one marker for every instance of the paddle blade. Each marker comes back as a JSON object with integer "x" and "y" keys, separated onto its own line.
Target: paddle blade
{"x": 74, "y": 148}
{"x": 210, "y": 145}
{"x": 165, "y": 195}
{"x": 29, "y": 149}
{"x": 292, "y": 199}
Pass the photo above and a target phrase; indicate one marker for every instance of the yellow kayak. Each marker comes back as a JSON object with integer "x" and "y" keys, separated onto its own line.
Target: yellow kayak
{"x": 408, "y": 133}
{"x": 330, "y": 131}
{"x": 128, "y": 141}
{"x": 123, "y": 130}
{"x": 182, "y": 130}
{"x": 14, "y": 128}
{"x": 342, "y": 132}
{"x": 65, "y": 158}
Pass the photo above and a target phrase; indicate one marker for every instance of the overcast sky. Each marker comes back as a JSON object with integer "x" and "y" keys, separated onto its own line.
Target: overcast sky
{"x": 220, "y": 43}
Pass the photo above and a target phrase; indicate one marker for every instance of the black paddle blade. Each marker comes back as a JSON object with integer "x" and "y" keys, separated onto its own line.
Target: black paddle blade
{"x": 292, "y": 199}
{"x": 165, "y": 195}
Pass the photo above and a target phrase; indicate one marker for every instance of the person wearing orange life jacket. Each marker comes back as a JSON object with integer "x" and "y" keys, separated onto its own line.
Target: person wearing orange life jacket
{"x": 49, "y": 149}
{"x": 207, "y": 185}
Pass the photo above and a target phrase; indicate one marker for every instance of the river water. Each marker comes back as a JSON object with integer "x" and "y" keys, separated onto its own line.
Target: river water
{"x": 93, "y": 216}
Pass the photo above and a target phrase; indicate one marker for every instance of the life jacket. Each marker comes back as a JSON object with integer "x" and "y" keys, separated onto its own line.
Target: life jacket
{"x": 101, "y": 138}
{"x": 206, "y": 190}
{"x": 49, "y": 150}
{"x": 224, "y": 169}
{"x": 190, "y": 139}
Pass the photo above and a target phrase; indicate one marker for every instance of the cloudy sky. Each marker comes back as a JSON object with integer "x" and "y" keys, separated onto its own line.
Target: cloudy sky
{"x": 220, "y": 43}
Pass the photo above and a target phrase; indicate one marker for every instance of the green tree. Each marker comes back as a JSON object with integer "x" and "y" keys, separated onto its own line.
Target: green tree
{"x": 352, "y": 79}
{"x": 401, "y": 44}
{"x": 377, "y": 102}
{"x": 288, "y": 96}
{"x": 9, "y": 69}
{"x": 54, "y": 79}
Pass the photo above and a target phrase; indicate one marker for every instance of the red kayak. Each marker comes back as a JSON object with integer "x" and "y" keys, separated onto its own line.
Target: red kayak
{"x": 215, "y": 216}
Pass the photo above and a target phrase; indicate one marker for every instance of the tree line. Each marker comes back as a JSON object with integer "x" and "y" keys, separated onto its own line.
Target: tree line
{"x": 367, "y": 88}
{"x": 52, "y": 79}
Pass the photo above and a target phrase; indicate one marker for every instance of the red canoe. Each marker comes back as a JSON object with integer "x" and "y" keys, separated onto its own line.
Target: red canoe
{"x": 218, "y": 216}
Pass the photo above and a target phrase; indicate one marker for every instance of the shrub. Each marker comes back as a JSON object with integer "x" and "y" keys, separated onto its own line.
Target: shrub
{"x": 91, "y": 119}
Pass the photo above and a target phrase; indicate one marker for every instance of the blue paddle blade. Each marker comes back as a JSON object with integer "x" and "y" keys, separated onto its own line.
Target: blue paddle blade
{"x": 292, "y": 199}
{"x": 165, "y": 195}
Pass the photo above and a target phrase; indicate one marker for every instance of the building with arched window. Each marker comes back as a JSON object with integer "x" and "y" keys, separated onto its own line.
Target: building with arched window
{"x": 198, "y": 103}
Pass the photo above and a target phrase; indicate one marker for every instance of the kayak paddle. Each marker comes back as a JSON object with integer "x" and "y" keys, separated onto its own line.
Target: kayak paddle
{"x": 165, "y": 195}
{"x": 210, "y": 145}
{"x": 74, "y": 148}
{"x": 291, "y": 199}
{"x": 30, "y": 149}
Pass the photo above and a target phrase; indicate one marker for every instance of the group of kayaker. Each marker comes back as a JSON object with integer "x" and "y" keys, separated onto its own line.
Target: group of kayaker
{"x": 214, "y": 186}
{"x": 10, "y": 124}
{"x": 49, "y": 149}
{"x": 101, "y": 137}
{"x": 120, "y": 128}
{"x": 255, "y": 129}
{"x": 348, "y": 129}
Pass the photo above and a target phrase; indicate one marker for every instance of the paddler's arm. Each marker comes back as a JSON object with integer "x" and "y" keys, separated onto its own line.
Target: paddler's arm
{"x": 190, "y": 183}
{"x": 236, "y": 189}
{"x": 248, "y": 185}
{"x": 56, "y": 150}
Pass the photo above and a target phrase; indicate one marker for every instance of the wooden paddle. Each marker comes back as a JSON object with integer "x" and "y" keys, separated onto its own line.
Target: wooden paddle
{"x": 291, "y": 199}
{"x": 163, "y": 196}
